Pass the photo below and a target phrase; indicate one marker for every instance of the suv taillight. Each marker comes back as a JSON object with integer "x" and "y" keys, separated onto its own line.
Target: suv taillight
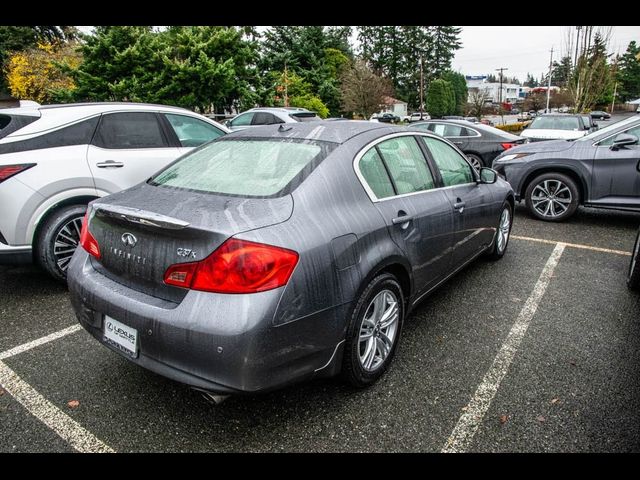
{"x": 88, "y": 241}
{"x": 8, "y": 171}
{"x": 237, "y": 266}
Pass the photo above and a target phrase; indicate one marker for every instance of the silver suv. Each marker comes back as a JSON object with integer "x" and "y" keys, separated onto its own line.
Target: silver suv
{"x": 270, "y": 116}
{"x": 55, "y": 159}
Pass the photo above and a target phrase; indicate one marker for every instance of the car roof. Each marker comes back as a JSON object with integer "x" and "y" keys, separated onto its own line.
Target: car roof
{"x": 54, "y": 116}
{"x": 336, "y": 132}
{"x": 276, "y": 109}
{"x": 480, "y": 127}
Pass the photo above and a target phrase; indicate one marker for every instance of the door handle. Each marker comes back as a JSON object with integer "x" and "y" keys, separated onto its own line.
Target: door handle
{"x": 109, "y": 164}
{"x": 402, "y": 219}
{"x": 459, "y": 206}
{"x": 458, "y": 143}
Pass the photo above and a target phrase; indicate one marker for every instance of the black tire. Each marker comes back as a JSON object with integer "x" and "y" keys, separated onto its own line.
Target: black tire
{"x": 475, "y": 159}
{"x": 497, "y": 251}
{"x": 553, "y": 178}
{"x": 45, "y": 248}
{"x": 633, "y": 278}
{"x": 352, "y": 369}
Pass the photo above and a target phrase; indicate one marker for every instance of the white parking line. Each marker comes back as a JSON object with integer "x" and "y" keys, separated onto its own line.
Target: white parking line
{"x": 40, "y": 341}
{"x": 572, "y": 245}
{"x": 66, "y": 427}
{"x": 464, "y": 431}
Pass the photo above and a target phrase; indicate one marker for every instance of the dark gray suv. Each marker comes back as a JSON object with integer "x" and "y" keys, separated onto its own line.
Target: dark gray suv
{"x": 601, "y": 170}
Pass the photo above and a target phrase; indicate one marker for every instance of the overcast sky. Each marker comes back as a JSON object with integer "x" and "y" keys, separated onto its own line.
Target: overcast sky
{"x": 522, "y": 49}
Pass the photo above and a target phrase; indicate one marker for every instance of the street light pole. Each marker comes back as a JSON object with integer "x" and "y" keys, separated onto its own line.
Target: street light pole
{"x": 549, "y": 82}
{"x": 501, "y": 69}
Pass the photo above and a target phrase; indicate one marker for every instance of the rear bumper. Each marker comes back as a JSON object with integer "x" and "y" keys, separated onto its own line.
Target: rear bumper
{"x": 15, "y": 255}
{"x": 219, "y": 343}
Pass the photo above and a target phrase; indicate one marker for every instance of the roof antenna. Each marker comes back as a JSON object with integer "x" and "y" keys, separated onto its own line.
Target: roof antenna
{"x": 282, "y": 128}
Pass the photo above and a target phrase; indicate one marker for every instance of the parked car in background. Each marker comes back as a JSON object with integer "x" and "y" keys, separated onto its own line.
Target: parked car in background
{"x": 487, "y": 121}
{"x": 601, "y": 170}
{"x": 417, "y": 117}
{"x": 633, "y": 276}
{"x": 472, "y": 119}
{"x": 388, "y": 117}
{"x": 256, "y": 117}
{"x": 600, "y": 115}
{"x": 524, "y": 117}
{"x": 453, "y": 117}
{"x": 480, "y": 143}
{"x": 55, "y": 159}
{"x": 553, "y": 126}
{"x": 240, "y": 268}
{"x": 589, "y": 122}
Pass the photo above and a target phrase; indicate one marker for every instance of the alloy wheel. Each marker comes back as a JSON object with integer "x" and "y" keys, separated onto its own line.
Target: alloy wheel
{"x": 551, "y": 198}
{"x": 378, "y": 330}
{"x": 66, "y": 242}
{"x": 504, "y": 228}
{"x": 475, "y": 163}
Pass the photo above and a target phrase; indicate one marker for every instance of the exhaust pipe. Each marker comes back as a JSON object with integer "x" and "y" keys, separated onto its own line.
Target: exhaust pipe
{"x": 216, "y": 399}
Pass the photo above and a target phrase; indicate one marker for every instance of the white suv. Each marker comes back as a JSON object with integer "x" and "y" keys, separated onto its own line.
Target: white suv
{"x": 270, "y": 116}
{"x": 55, "y": 159}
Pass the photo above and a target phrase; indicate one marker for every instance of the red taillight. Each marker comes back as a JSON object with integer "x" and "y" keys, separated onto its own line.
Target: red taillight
{"x": 88, "y": 242}
{"x": 507, "y": 145}
{"x": 8, "y": 171}
{"x": 237, "y": 266}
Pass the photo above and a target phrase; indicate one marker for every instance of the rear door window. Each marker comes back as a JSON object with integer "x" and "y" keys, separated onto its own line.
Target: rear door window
{"x": 130, "y": 130}
{"x": 265, "y": 118}
{"x": 192, "y": 132}
{"x": 375, "y": 174}
{"x": 406, "y": 164}
{"x": 13, "y": 123}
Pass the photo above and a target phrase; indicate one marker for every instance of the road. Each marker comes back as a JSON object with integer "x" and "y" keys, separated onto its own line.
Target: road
{"x": 570, "y": 382}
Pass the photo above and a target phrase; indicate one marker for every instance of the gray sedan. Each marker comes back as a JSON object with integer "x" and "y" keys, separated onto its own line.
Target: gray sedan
{"x": 601, "y": 170}
{"x": 283, "y": 253}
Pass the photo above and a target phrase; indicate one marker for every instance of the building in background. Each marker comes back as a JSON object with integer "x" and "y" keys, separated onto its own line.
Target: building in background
{"x": 511, "y": 92}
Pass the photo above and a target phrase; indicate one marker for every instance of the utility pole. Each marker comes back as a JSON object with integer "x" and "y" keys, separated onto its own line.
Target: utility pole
{"x": 549, "y": 82}
{"x": 421, "y": 86}
{"x": 501, "y": 69}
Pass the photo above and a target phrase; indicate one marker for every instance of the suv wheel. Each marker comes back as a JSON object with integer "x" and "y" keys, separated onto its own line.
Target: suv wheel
{"x": 374, "y": 331}
{"x": 552, "y": 197}
{"x": 58, "y": 239}
{"x": 633, "y": 278}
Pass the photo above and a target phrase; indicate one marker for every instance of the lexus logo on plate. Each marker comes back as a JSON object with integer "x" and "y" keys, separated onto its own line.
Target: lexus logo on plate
{"x": 129, "y": 239}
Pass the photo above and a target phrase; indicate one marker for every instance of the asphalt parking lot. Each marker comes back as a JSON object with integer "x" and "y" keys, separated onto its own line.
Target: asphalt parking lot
{"x": 538, "y": 352}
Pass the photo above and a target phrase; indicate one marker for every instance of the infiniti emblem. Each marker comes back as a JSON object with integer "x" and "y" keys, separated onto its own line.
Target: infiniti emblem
{"x": 129, "y": 239}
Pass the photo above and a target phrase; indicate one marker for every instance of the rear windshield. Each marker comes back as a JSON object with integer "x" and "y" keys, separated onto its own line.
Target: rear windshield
{"x": 304, "y": 116}
{"x": 245, "y": 167}
{"x": 556, "y": 123}
{"x": 12, "y": 123}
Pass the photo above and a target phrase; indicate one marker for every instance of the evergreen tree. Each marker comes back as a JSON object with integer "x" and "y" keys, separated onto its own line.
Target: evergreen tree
{"x": 460, "y": 92}
{"x": 531, "y": 81}
{"x": 445, "y": 43}
{"x": 440, "y": 98}
{"x": 561, "y": 72}
{"x": 315, "y": 53}
{"x": 628, "y": 73}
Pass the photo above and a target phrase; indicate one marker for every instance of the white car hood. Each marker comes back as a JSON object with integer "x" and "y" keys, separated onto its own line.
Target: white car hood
{"x": 549, "y": 134}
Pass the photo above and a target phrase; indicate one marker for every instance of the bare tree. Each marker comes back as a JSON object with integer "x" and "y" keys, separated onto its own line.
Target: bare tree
{"x": 363, "y": 92}
{"x": 477, "y": 98}
{"x": 591, "y": 76}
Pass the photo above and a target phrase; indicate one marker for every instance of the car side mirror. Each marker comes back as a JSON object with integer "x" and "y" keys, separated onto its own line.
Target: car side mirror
{"x": 488, "y": 175}
{"x": 622, "y": 140}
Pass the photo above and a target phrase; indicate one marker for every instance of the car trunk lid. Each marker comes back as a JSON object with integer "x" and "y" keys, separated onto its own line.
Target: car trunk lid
{"x": 143, "y": 231}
